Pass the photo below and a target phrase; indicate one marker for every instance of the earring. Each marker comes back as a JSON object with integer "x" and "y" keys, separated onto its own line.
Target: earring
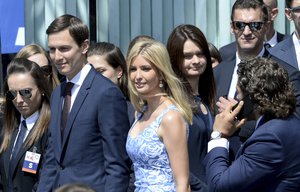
{"x": 161, "y": 85}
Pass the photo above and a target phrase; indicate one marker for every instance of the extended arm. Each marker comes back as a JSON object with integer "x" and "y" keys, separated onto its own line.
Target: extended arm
{"x": 173, "y": 131}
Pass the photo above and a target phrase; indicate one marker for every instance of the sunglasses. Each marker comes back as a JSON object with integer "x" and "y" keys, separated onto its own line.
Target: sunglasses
{"x": 254, "y": 26}
{"x": 47, "y": 69}
{"x": 295, "y": 9}
{"x": 12, "y": 94}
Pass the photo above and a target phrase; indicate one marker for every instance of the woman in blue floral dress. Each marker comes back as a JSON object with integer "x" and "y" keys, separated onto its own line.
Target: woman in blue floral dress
{"x": 157, "y": 141}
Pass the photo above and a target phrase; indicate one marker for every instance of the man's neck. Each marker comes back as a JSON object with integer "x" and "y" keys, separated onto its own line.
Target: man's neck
{"x": 270, "y": 32}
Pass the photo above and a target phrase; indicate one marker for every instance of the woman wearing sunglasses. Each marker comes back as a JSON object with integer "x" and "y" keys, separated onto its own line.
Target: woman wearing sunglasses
{"x": 26, "y": 120}
{"x": 36, "y": 53}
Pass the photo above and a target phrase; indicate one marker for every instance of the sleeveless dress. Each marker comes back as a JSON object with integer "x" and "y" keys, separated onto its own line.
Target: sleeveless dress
{"x": 150, "y": 159}
{"x": 199, "y": 137}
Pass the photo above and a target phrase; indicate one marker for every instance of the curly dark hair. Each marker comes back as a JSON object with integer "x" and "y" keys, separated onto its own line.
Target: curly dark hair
{"x": 268, "y": 87}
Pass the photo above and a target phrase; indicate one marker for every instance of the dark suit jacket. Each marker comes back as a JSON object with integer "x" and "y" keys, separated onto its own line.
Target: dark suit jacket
{"x": 92, "y": 150}
{"x": 21, "y": 181}
{"x": 267, "y": 161}
{"x": 223, "y": 74}
{"x": 285, "y": 50}
{"x": 229, "y": 50}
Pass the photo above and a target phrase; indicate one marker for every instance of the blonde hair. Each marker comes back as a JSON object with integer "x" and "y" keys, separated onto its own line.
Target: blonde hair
{"x": 156, "y": 54}
{"x": 34, "y": 49}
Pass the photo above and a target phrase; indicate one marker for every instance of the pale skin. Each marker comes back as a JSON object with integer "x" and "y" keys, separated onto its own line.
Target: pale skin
{"x": 194, "y": 65}
{"x": 294, "y": 16}
{"x": 68, "y": 57}
{"x": 225, "y": 121}
{"x": 26, "y": 106}
{"x": 249, "y": 43}
{"x": 39, "y": 59}
{"x": 273, "y": 12}
{"x": 101, "y": 65}
{"x": 172, "y": 130}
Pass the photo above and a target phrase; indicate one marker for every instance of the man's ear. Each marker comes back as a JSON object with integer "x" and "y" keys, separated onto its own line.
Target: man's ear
{"x": 289, "y": 14}
{"x": 231, "y": 28}
{"x": 85, "y": 45}
{"x": 274, "y": 13}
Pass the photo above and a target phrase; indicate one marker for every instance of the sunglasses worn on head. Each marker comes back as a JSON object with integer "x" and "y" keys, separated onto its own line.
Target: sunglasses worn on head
{"x": 12, "y": 94}
{"x": 254, "y": 26}
{"x": 47, "y": 69}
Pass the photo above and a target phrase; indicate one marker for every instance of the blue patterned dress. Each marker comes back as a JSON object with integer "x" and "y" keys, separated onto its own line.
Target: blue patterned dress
{"x": 150, "y": 158}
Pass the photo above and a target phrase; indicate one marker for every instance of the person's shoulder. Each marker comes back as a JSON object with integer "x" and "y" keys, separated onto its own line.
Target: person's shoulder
{"x": 286, "y": 42}
{"x": 228, "y": 51}
{"x": 172, "y": 117}
{"x": 228, "y": 46}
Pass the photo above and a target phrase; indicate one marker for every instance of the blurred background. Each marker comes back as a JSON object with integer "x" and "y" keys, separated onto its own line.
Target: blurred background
{"x": 24, "y": 22}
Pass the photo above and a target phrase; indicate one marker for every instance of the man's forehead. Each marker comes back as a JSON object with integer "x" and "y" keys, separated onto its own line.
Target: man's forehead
{"x": 248, "y": 14}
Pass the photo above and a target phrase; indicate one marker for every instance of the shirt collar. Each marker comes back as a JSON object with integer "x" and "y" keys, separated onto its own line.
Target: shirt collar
{"x": 79, "y": 77}
{"x": 31, "y": 120}
{"x": 273, "y": 41}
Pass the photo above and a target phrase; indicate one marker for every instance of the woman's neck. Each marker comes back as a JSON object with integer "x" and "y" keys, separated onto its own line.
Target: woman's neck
{"x": 154, "y": 103}
{"x": 194, "y": 83}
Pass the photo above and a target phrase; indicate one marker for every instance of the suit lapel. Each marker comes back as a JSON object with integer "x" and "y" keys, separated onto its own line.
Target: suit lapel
{"x": 289, "y": 53}
{"x": 55, "y": 124}
{"x": 7, "y": 153}
{"x": 21, "y": 153}
{"x": 223, "y": 77}
{"x": 286, "y": 52}
{"x": 80, "y": 98}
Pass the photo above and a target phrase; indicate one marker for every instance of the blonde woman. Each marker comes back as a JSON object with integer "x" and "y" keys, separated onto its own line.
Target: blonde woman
{"x": 157, "y": 141}
{"x": 38, "y": 54}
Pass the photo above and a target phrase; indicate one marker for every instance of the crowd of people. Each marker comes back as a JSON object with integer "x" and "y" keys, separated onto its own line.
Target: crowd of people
{"x": 182, "y": 117}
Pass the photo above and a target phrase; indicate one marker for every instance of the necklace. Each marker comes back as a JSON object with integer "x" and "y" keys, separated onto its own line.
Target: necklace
{"x": 156, "y": 106}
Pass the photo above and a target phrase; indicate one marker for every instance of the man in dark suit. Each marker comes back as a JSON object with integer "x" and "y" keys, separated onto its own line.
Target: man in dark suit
{"x": 273, "y": 37}
{"x": 247, "y": 25}
{"x": 267, "y": 161}
{"x": 289, "y": 49}
{"x": 90, "y": 148}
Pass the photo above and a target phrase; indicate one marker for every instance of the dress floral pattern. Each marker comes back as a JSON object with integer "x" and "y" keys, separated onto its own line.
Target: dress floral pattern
{"x": 150, "y": 158}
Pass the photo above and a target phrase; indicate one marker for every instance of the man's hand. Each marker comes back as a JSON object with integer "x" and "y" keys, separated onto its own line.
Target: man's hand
{"x": 226, "y": 122}
{"x": 224, "y": 102}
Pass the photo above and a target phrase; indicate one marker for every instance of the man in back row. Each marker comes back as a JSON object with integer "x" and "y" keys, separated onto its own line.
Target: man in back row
{"x": 88, "y": 144}
{"x": 289, "y": 49}
{"x": 248, "y": 24}
{"x": 272, "y": 36}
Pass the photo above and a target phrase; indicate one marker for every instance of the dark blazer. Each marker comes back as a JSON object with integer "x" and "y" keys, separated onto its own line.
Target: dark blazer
{"x": 227, "y": 51}
{"x": 92, "y": 150}
{"x": 21, "y": 181}
{"x": 267, "y": 161}
{"x": 223, "y": 74}
{"x": 285, "y": 50}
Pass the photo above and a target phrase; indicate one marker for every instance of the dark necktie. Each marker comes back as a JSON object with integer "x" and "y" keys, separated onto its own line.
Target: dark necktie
{"x": 20, "y": 140}
{"x": 67, "y": 105}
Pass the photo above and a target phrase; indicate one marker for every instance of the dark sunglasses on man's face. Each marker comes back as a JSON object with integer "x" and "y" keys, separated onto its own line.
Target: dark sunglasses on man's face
{"x": 254, "y": 26}
{"x": 12, "y": 94}
{"x": 295, "y": 9}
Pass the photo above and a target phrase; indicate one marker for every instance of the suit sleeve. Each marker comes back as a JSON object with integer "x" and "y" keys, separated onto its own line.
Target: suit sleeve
{"x": 49, "y": 166}
{"x": 294, "y": 77}
{"x": 258, "y": 164}
{"x": 114, "y": 127}
{"x": 48, "y": 170}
